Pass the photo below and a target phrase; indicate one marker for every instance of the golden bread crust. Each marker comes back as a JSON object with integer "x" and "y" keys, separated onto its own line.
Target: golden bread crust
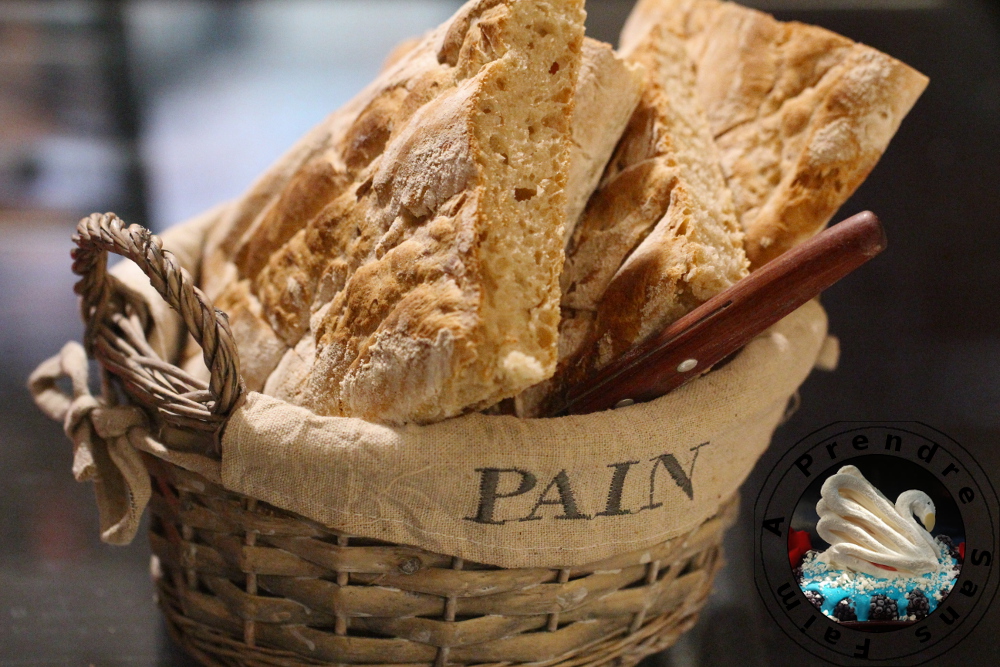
{"x": 801, "y": 115}
{"x": 658, "y": 237}
{"x": 405, "y": 256}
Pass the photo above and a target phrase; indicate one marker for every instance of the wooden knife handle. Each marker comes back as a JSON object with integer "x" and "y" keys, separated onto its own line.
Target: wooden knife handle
{"x": 725, "y": 323}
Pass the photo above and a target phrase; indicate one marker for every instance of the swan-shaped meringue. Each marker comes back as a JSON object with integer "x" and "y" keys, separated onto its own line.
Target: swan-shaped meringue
{"x": 869, "y": 534}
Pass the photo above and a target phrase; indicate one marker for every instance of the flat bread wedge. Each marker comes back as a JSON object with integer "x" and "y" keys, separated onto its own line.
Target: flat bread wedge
{"x": 658, "y": 237}
{"x": 801, "y": 115}
{"x": 404, "y": 258}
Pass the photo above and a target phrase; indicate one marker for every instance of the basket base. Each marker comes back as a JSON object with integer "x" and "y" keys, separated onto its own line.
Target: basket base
{"x": 244, "y": 583}
{"x": 214, "y": 648}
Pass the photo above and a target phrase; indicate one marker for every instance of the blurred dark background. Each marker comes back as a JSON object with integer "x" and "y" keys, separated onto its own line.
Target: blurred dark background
{"x": 157, "y": 109}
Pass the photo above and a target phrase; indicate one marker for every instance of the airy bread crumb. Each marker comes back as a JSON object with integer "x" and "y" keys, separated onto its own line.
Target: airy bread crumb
{"x": 407, "y": 253}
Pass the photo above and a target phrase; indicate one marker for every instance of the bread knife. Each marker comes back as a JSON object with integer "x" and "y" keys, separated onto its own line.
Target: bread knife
{"x": 721, "y": 326}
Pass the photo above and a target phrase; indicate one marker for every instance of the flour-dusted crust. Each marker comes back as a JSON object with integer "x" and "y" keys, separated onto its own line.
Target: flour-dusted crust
{"x": 691, "y": 248}
{"x": 607, "y": 92}
{"x": 801, "y": 115}
{"x": 658, "y": 237}
{"x": 404, "y": 257}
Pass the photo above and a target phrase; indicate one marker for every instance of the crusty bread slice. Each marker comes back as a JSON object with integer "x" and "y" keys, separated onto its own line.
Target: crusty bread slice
{"x": 801, "y": 115}
{"x": 607, "y": 92}
{"x": 407, "y": 253}
{"x": 658, "y": 237}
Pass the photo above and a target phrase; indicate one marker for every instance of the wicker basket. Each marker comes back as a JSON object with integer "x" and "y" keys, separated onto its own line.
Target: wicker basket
{"x": 245, "y": 583}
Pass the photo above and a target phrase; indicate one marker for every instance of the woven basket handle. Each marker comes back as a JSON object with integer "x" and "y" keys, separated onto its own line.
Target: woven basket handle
{"x": 109, "y": 337}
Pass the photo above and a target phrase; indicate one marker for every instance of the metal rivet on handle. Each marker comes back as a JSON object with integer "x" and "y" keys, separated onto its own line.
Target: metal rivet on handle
{"x": 686, "y": 365}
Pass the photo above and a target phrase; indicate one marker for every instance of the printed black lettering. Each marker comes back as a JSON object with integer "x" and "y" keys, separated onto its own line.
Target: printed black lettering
{"x": 984, "y": 558}
{"x": 696, "y": 449}
{"x": 966, "y": 495}
{"x": 774, "y": 525}
{"x": 862, "y": 649}
{"x": 808, "y": 623}
{"x": 968, "y": 589}
{"x": 927, "y": 452}
{"x": 566, "y": 499}
{"x": 681, "y": 478}
{"x": 788, "y": 596}
{"x": 614, "y": 506}
{"x": 829, "y": 450}
{"x": 893, "y": 442}
{"x": 949, "y": 615}
{"x": 803, "y": 464}
{"x": 860, "y": 442}
{"x": 923, "y": 633}
{"x": 950, "y": 469}
{"x": 831, "y": 635}
{"x": 489, "y": 485}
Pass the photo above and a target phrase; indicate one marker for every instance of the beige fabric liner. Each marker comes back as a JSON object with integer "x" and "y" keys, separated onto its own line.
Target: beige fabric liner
{"x": 431, "y": 486}
{"x": 493, "y": 489}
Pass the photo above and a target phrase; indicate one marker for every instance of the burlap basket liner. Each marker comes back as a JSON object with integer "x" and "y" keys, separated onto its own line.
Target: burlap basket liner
{"x": 496, "y": 489}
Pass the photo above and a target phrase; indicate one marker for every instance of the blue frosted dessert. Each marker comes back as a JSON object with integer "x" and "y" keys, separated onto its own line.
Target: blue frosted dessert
{"x": 846, "y": 595}
{"x": 882, "y": 565}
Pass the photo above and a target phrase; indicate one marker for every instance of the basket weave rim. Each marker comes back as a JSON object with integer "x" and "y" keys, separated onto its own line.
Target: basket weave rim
{"x": 116, "y": 321}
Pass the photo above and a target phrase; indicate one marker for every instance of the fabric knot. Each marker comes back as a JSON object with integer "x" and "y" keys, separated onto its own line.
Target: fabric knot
{"x": 102, "y": 451}
{"x": 117, "y": 421}
{"x": 80, "y": 430}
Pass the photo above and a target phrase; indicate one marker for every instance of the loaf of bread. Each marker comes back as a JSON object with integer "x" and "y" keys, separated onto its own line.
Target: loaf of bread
{"x": 402, "y": 263}
{"x": 659, "y": 236}
{"x": 801, "y": 115}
